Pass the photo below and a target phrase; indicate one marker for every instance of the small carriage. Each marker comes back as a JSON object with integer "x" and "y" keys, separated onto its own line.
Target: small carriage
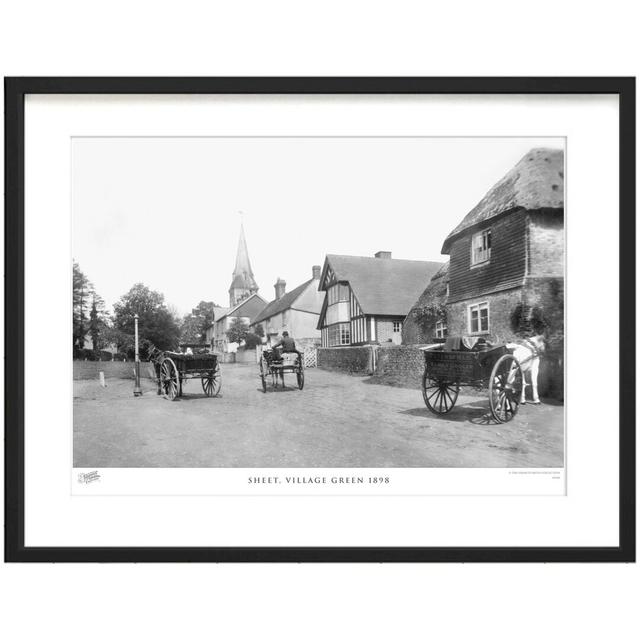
{"x": 493, "y": 368}
{"x": 274, "y": 365}
{"x": 174, "y": 368}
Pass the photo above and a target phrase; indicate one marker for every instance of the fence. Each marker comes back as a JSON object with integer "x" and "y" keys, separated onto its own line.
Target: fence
{"x": 310, "y": 357}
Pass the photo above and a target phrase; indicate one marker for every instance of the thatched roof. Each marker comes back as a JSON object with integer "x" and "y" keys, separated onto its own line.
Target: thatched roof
{"x": 414, "y": 330}
{"x": 536, "y": 182}
{"x": 436, "y": 290}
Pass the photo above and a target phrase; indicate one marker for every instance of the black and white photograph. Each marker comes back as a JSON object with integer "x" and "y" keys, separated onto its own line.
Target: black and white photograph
{"x": 319, "y": 327}
{"x": 318, "y": 302}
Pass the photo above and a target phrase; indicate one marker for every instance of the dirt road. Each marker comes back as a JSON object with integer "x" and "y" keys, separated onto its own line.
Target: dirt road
{"x": 338, "y": 420}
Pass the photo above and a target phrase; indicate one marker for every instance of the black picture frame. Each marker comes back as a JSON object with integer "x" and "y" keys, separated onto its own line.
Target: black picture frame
{"x": 15, "y": 91}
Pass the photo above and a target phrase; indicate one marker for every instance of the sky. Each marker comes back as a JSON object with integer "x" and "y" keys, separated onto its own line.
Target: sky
{"x": 167, "y": 211}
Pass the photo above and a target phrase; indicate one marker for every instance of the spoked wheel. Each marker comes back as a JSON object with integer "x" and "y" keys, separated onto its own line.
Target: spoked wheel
{"x": 263, "y": 375}
{"x": 505, "y": 387}
{"x": 212, "y": 383}
{"x": 439, "y": 395}
{"x": 300, "y": 376}
{"x": 169, "y": 379}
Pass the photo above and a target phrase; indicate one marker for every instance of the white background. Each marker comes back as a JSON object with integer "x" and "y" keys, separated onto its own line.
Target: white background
{"x": 464, "y": 38}
{"x": 54, "y": 517}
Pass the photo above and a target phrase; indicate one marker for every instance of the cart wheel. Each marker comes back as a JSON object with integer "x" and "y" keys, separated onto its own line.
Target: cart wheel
{"x": 505, "y": 387}
{"x": 212, "y": 382}
{"x": 439, "y": 395}
{"x": 300, "y": 376}
{"x": 170, "y": 379}
{"x": 263, "y": 375}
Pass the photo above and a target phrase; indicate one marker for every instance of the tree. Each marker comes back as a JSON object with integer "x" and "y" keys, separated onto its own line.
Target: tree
{"x": 258, "y": 330}
{"x": 190, "y": 330}
{"x": 98, "y": 323}
{"x": 195, "y": 324}
{"x": 252, "y": 340}
{"x": 94, "y": 326}
{"x": 237, "y": 331}
{"x": 156, "y": 324}
{"x": 82, "y": 291}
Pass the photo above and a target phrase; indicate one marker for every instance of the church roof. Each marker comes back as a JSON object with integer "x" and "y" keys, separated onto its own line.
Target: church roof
{"x": 536, "y": 182}
{"x": 242, "y": 274}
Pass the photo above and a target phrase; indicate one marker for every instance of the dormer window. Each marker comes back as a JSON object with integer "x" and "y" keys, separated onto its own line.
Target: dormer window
{"x": 481, "y": 247}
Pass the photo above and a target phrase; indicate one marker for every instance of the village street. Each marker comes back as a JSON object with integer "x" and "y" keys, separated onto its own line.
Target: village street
{"x": 338, "y": 420}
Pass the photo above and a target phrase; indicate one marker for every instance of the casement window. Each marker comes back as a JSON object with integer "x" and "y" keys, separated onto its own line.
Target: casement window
{"x": 397, "y": 327}
{"x": 479, "y": 318}
{"x": 337, "y": 293}
{"x": 481, "y": 247}
{"x": 337, "y": 304}
{"x": 441, "y": 329}
{"x": 339, "y": 334}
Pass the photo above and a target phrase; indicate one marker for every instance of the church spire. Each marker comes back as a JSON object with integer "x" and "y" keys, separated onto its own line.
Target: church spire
{"x": 243, "y": 283}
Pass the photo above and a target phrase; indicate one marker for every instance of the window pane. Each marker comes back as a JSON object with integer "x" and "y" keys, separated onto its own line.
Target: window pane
{"x": 484, "y": 320}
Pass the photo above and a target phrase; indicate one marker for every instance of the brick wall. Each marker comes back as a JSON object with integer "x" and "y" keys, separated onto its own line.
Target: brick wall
{"x": 350, "y": 359}
{"x": 501, "y": 305}
{"x": 400, "y": 365}
{"x": 87, "y": 370}
{"x": 546, "y": 244}
{"x": 545, "y": 293}
{"x": 385, "y": 332}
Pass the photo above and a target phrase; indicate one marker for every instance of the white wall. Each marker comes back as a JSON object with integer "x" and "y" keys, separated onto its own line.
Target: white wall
{"x": 256, "y": 38}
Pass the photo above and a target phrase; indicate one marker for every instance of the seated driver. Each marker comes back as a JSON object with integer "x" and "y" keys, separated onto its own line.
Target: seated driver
{"x": 287, "y": 344}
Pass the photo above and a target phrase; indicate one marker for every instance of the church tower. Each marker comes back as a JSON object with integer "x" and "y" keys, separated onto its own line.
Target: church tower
{"x": 243, "y": 283}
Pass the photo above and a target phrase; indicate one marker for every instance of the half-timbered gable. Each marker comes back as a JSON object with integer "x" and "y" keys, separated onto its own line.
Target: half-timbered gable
{"x": 367, "y": 299}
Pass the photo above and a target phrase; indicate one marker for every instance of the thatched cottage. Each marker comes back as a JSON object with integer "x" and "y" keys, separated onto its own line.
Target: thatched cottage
{"x": 506, "y": 265}
{"x": 427, "y": 320}
{"x": 506, "y": 274}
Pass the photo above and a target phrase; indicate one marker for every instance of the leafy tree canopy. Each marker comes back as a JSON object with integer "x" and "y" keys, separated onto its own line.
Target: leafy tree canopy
{"x": 194, "y": 325}
{"x": 156, "y": 323}
{"x": 238, "y": 330}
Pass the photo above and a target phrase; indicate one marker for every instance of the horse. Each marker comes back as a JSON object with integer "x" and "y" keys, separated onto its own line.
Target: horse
{"x": 528, "y": 357}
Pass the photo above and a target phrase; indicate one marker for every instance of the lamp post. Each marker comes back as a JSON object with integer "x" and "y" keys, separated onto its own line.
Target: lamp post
{"x": 137, "y": 391}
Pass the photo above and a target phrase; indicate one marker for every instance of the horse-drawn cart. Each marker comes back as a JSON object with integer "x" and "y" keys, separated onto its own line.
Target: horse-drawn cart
{"x": 495, "y": 369}
{"x": 274, "y": 365}
{"x": 174, "y": 368}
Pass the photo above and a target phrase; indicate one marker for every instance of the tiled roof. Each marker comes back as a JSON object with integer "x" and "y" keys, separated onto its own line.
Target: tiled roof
{"x": 384, "y": 286}
{"x": 220, "y": 312}
{"x": 231, "y": 310}
{"x": 281, "y": 304}
{"x": 536, "y": 182}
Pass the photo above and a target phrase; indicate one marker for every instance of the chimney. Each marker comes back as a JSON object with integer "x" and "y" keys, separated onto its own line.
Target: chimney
{"x": 315, "y": 270}
{"x": 383, "y": 255}
{"x": 279, "y": 286}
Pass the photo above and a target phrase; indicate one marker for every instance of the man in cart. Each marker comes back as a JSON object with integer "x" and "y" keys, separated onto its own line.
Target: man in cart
{"x": 286, "y": 345}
